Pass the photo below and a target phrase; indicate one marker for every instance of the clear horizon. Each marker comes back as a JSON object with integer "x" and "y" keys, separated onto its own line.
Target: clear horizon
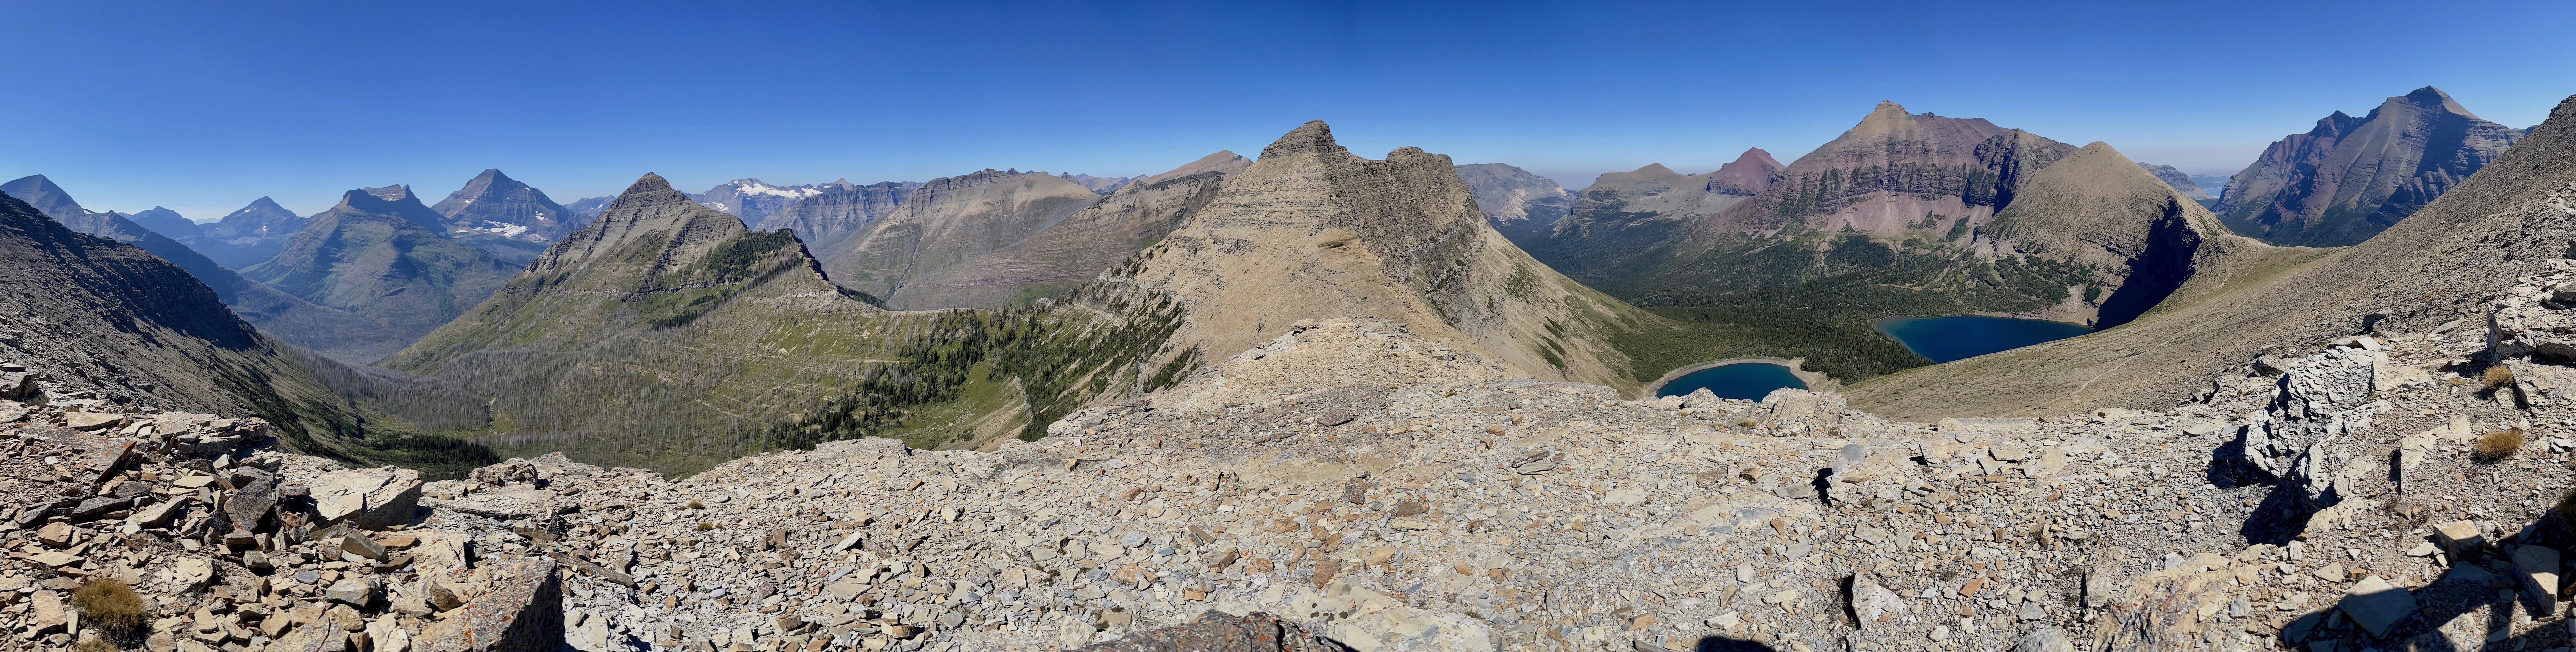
{"x": 205, "y": 108}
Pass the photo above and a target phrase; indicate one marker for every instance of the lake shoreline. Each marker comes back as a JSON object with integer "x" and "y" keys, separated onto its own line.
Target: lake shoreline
{"x": 1815, "y": 380}
{"x": 1936, "y": 349}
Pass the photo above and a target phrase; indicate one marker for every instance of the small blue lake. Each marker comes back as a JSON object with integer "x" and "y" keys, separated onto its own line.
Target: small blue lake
{"x": 1944, "y": 339}
{"x": 1745, "y": 380}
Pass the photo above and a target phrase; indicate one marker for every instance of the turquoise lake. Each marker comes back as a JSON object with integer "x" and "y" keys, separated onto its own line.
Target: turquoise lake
{"x": 1745, "y": 380}
{"x": 1944, "y": 339}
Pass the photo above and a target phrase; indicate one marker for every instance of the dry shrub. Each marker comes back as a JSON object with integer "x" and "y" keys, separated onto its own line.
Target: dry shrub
{"x": 705, "y": 526}
{"x": 112, "y": 607}
{"x": 2498, "y": 376}
{"x": 2496, "y": 446}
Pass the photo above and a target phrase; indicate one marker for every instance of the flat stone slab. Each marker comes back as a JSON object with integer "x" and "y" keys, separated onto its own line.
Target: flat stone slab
{"x": 2377, "y": 606}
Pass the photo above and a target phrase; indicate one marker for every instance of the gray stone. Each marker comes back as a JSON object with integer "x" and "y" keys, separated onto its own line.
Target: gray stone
{"x": 2377, "y": 606}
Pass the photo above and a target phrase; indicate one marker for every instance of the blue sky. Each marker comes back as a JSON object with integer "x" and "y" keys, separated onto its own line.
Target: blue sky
{"x": 204, "y": 106}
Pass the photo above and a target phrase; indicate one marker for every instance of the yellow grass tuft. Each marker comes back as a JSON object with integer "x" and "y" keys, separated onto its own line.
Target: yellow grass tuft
{"x": 111, "y": 606}
{"x": 2498, "y": 376}
{"x": 2495, "y": 446}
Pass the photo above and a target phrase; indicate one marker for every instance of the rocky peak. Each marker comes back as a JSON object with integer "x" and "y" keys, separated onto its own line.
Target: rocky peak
{"x": 2349, "y": 178}
{"x": 1747, "y": 175}
{"x": 40, "y": 192}
{"x": 1314, "y": 137}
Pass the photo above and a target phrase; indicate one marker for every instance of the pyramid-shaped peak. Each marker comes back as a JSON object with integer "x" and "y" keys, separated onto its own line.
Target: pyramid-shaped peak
{"x": 1757, "y": 155}
{"x": 2430, "y": 98}
{"x": 1312, "y": 137}
{"x": 650, "y": 182}
{"x": 1887, "y": 119}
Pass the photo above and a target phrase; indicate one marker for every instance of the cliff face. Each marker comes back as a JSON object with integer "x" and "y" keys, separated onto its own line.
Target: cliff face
{"x": 829, "y": 218}
{"x": 947, "y": 222}
{"x": 1524, "y": 207}
{"x": 1311, "y": 231}
{"x": 373, "y": 257}
{"x": 505, "y": 218}
{"x": 2350, "y": 178}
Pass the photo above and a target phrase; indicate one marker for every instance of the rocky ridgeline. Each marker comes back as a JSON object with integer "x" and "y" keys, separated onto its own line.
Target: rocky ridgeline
{"x": 1354, "y": 485}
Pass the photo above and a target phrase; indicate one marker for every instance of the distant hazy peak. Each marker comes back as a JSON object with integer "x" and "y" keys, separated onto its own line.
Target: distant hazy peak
{"x": 2173, "y": 177}
{"x": 396, "y": 192}
{"x": 396, "y": 201}
{"x": 260, "y": 208}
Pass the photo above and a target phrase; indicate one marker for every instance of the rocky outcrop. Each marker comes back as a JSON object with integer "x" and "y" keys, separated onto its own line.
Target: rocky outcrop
{"x": 2181, "y": 183}
{"x": 948, "y": 222}
{"x": 1312, "y": 231}
{"x": 373, "y": 257}
{"x": 505, "y": 218}
{"x": 828, "y": 219}
{"x": 1523, "y": 206}
{"x": 2350, "y": 178}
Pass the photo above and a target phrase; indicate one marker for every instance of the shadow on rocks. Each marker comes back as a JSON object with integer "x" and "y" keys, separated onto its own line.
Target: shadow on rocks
{"x": 1724, "y": 644}
{"x": 2473, "y": 605}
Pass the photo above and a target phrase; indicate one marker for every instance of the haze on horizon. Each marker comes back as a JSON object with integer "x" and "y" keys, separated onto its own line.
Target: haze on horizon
{"x": 202, "y": 108}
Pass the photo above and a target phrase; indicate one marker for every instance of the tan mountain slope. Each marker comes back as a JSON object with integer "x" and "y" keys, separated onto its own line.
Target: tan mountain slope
{"x": 663, "y": 333}
{"x": 947, "y": 222}
{"x": 2086, "y": 210}
{"x": 1069, "y": 254}
{"x": 1312, "y": 231}
{"x": 1223, "y": 161}
{"x": 2436, "y": 266}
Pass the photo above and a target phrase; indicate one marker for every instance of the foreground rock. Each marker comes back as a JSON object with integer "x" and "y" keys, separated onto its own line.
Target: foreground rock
{"x": 1350, "y": 485}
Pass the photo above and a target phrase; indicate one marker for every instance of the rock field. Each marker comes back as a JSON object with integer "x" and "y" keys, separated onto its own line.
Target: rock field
{"x": 1353, "y": 485}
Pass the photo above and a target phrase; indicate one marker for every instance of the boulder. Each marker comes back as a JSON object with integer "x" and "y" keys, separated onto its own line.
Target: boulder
{"x": 2377, "y": 606}
{"x": 521, "y": 611}
{"x": 366, "y": 498}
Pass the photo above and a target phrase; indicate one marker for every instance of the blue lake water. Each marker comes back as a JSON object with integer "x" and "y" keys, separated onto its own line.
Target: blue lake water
{"x": 1745, "y": 380}
{"x": 1944, "y": 339}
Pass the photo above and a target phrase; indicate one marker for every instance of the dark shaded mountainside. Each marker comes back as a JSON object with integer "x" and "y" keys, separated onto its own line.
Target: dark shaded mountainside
{"x": 1904, "y": 214}
{"x": 105, "y": 320}
{"x": 381, "y": 255}
{"x": 505, "y": 218}
{"x": 335, "y": 333}
{"x": 668, "y": 335}
{"x": 2350, "y": 178}
{"x": 2434, "y": 267}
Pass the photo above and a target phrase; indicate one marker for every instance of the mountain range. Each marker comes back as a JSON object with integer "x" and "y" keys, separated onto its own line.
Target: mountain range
{"x": 2350, "y": 178}
{"x": 1524, "y": 207}
{"x": 382, "y": 255}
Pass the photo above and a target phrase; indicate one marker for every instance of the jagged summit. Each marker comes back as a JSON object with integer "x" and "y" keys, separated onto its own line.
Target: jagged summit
{"x": 1311, "y": 231}
{"x": 505, "y": 217}
{"x": 2349, "y": 178}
